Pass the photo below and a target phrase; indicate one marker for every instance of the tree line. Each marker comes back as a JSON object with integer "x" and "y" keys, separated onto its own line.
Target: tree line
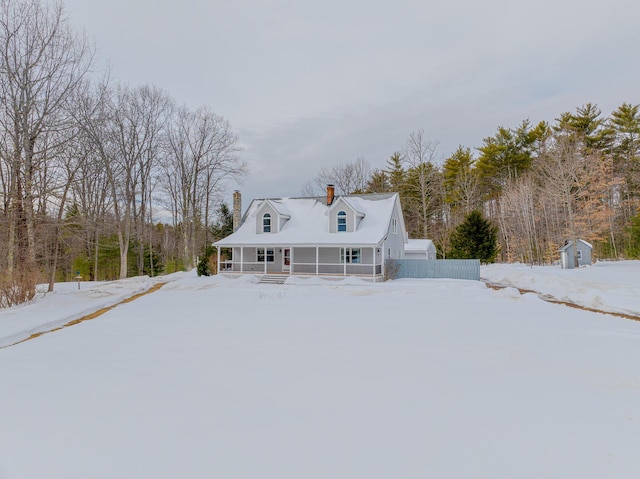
{"x": 109, "y": 180}
{"x": 96, "y": 177}
{"x": 539, "y": 184}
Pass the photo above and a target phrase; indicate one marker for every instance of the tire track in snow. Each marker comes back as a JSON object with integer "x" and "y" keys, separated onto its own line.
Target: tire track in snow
{"x": 551, "y": 299}
{"x": 89, "y": 316}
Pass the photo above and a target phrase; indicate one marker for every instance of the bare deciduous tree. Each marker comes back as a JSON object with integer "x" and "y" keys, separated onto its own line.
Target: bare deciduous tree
{"x": 348, "y": 178}
{"x": 42, "y": 61}
{"x": 519, "y": 220}
{"x": 566, "y": 171}
{"x": 200, "y": 157}
{"x": 424, "y": 185}
{"x": 137, "y": 118}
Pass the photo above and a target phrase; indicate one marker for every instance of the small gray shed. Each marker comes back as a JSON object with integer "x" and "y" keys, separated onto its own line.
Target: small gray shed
{"x": 584, "y": 254}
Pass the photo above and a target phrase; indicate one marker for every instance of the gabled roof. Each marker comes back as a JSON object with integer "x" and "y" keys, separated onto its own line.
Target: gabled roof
{"x": 344, "y": 199}
{"x": 570, "y": 243}
{"x": 309, "y": 225}
{"x": 281, "y": 209}
{"x": 418, "y": 245}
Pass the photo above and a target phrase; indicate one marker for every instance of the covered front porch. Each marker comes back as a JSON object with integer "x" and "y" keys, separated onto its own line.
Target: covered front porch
{"x": 334, "y": 260}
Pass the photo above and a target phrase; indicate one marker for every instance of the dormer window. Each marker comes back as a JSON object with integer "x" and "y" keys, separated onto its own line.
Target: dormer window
{"x": 266, "y": 223}
{"x": 342, "y": 221}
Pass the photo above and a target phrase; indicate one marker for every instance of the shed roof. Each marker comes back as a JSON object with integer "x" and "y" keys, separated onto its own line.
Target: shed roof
{"x": 568, "y": 245}
{"x": 419, "y": 245}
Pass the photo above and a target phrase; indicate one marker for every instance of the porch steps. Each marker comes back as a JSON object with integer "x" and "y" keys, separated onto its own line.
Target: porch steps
{"x": 273, "y": 278}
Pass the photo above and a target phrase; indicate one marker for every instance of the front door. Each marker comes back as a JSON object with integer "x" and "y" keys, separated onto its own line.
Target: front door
{"x": 286, "y": 259}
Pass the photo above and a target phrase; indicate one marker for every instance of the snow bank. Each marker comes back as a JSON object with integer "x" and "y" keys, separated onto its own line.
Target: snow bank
{"x": 606, "y": 286}
{"x": 221, "y": 377}
{"x": 67, "y": 303}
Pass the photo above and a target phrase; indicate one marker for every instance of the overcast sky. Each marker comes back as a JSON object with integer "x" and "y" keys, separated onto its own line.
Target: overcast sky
{"x": 308, "y": 84}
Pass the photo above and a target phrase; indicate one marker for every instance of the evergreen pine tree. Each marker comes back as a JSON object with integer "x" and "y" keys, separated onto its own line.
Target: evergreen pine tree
{"x": 378, "y": 182}
{"x": 224, "y": 226}
{"x": 396, "y": 173}
{"x": 460, "y": 178}
{"x": 505, "y": 156}
{"x": 590, "y": 126}
{"x": 204, "y": 267}
{"x": 474, "y": 238}
{"x": 634, "y": 232}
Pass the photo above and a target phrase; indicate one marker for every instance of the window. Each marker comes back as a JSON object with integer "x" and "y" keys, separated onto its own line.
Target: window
{"x": 350, "y": 255}
{"x": 394, "y": 226}
{"x": 261, "y": 255}
{"x": 266, "y": 223}
{"x": 579, "y": 255}
{"x": 342, "y": 221}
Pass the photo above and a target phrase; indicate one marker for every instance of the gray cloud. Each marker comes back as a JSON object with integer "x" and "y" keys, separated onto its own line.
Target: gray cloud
{"x": 311, "y": 84}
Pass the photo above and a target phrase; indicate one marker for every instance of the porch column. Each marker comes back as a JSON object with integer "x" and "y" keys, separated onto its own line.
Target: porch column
{"x": 374, "y": 262}
{"x": 265, "y": 259}
{"x": 344, "y": 259}
{"x": 241, "y": 259}
{"x": 218, "y": 248}
{"x": 291, "y": 260}
{"x": 317, "y": 259}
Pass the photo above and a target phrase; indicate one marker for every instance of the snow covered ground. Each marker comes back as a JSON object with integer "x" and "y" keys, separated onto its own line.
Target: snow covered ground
{"x": 605, "y": 286}
{"x": 65, "y": 304}
{"x": 226, "y": 378}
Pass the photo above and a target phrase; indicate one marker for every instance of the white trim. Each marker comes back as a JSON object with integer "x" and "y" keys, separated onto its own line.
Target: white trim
{"x": 291, "y": 261}
{"x": 286, "y": 267}
{"x": 373, "y": 248}
{"x": 345, "y": 201}
{"x": 569, "y": 243}
{"x": 313, "y": 234}
{"x": 266, "y": 216}
{"x": 338, "y": 218}
{"x": 344, "y": 259}
{"x": 344, "y": 267}
{"x": 277, "y": 208}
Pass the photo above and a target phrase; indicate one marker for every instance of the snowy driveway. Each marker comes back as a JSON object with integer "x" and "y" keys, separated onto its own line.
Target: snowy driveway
{"x": 211, "y": 377}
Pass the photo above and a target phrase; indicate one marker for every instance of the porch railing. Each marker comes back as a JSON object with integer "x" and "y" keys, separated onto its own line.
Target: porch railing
{"x": 337, "y": 269}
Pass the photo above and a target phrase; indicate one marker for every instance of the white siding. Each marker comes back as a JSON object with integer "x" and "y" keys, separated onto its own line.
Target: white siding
{"x": 338, "y": 206}
{"x": 394, "y": 244}
{"x": 275, "y": 223}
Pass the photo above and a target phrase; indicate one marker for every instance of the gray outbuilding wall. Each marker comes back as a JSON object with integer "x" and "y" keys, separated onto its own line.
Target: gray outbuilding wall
{"x": 435, "y": 268}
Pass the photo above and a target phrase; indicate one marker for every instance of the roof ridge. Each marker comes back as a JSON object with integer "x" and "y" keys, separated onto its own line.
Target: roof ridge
{"x": 323, "y": 198}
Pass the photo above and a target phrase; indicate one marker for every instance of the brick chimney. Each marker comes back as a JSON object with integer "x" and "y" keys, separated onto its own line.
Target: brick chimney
{"x": 330, "y": 194}
{"x": 237, "y": 209}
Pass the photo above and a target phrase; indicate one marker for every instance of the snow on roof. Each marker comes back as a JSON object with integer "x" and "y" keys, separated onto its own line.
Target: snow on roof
{"x": 348, "y": 202}
{"x": 568, "y": 244}
{"x": 280, "y": 208}
{"x": 418, "y": 245}
{"x": 308, "y": 224}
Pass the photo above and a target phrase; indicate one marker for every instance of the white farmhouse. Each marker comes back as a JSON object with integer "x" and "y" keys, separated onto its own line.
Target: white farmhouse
{"x": 336, "y": 235}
